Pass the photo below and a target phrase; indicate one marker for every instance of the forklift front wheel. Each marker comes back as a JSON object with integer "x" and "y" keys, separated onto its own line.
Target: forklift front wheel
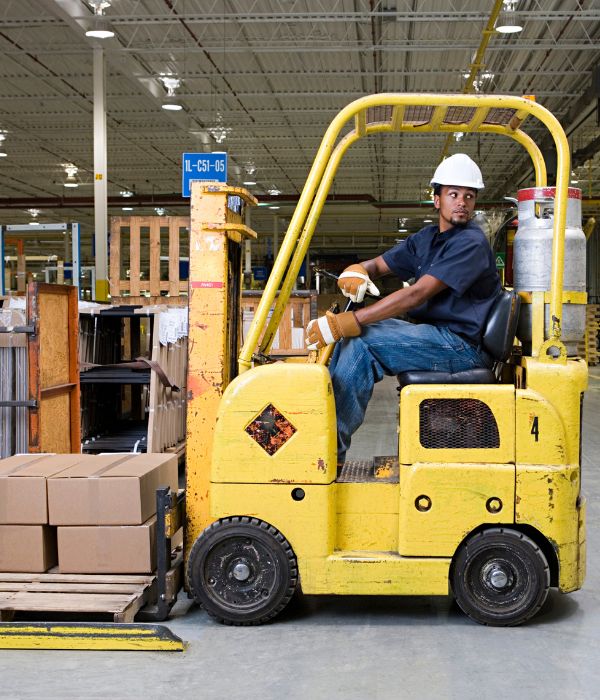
{"x": 242, "y": 571}
{"x": 500, "y": 577}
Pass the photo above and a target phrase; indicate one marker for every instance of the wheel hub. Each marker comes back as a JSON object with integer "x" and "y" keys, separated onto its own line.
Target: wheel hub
{"x": 241, "y": 571}
{"x": 497, "y": 576}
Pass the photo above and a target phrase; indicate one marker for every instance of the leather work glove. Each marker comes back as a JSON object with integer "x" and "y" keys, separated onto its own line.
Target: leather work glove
{"x": 355, "y": 283}
{"x": 330, "y": 328}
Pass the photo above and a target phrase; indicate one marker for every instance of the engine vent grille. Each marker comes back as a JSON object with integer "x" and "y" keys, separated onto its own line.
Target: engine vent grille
{"x": 457, "y": 424}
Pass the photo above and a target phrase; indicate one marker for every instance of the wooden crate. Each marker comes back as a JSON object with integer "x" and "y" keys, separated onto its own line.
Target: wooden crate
{"x": 289, "y": 339}
{"x": 150, "y": 238}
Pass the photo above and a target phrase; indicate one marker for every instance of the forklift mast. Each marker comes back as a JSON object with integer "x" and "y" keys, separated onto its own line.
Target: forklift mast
{"x": 217, "y": 233}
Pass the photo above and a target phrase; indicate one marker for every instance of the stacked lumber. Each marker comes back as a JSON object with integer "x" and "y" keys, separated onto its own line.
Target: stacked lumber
{"x": 588, "y": 347}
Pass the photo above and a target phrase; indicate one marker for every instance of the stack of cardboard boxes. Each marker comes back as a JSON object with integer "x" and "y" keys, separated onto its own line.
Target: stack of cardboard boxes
{"x": 88, "y": 513}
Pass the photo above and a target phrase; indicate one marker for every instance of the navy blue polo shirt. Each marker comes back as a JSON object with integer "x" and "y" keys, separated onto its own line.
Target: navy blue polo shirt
{"x": 460, "y": 257}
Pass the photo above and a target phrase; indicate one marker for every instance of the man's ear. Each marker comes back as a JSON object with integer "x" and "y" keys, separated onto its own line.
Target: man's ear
{"x": 436, "y": 201}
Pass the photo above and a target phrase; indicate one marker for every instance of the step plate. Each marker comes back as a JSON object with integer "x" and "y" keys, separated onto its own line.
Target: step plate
{"x": 379, "y": 470}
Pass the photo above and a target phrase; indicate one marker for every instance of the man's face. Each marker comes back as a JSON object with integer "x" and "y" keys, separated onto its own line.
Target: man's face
{"x": 455, "y": 205}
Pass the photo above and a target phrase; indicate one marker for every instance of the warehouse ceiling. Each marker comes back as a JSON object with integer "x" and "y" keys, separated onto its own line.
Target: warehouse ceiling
{"x": 271, "y": 75}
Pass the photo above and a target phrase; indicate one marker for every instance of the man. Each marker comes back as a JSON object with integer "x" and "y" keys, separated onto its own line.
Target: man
{"x": 456, "y": 283}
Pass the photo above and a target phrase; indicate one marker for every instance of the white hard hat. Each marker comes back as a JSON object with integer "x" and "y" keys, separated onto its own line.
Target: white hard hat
{"x": 458, "y": 170}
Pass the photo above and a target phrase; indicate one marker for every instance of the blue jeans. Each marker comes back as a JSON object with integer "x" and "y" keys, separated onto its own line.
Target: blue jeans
{"x": 390, "y": 347}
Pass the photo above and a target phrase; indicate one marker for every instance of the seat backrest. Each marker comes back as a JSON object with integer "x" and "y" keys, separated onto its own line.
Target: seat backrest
{"x": 501, "y": 325}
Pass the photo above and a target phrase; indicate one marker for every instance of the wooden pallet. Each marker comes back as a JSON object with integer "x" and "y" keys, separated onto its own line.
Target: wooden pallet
{"x": 143, "y": 251}
{"x": 118, "y": 595}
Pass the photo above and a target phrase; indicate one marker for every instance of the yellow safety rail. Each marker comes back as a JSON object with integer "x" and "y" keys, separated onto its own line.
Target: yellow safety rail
{"x": 415, "y": 113}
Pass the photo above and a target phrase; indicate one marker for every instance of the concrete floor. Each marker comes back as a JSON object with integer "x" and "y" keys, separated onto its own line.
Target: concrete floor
{"x": 328, "y": 647}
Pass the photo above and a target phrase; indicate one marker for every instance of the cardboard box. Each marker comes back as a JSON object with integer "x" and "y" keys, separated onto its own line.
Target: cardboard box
{"x": 27, "y": 548}
{"x": 112, "y": 549}
{"x": 110, "y": 489}
{"x": 23, "y": 497}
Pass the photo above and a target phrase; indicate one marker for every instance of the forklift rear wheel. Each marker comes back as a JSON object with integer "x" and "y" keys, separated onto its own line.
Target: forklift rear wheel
{"x": 242, "y": 571}
{"x": 500, "y": 577}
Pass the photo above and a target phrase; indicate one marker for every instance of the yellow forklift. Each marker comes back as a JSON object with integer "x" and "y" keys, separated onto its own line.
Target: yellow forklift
{"x": 483, "y": 498}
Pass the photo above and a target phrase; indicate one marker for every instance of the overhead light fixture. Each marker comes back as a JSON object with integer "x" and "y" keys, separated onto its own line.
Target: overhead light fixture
{"x": 249, "y": 183}
{"x": 275, "y": 207}
{"x": 508, "y": 22}
{"x": 171, "y": 101}
{"x": 427, "y": 221}
{"x": 402, "y": 230}
{"x": 2, "y": 154}
{"x": 100, "y": 26}
{"x": 160, "y": 211}
{"x": 71, "y": 170}
{"x": 126, "y": 193}
{"x": 274, "y": 191}
{"x": 459, "y": 136}
{"x": 219, "y": 131}
{"x": 127, "y": 208}
{"x": 34, "y": 213}
{"x": 574, "y": 178}
{"x": 249, "y": 167}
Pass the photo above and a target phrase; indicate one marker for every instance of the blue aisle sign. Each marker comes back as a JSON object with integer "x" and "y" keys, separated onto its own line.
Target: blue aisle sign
{"x": 211, "y": 167}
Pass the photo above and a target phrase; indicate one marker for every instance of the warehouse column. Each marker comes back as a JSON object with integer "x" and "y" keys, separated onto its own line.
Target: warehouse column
{"x": 100, "y": 189}
{"x": 248, "y": 253}
{"x": 275, "y": 236}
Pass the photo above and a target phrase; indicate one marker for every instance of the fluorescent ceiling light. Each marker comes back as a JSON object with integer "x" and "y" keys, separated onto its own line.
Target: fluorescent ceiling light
{"x": 273, "y": 207}
{"x": 99, "y": 33}
{"x": 71, "y": 184}
{"x": 249, "y": 183}
{"x": 172, "y": 105}
{"x": 3, "y": 155}
{"x": 127, "y": 208}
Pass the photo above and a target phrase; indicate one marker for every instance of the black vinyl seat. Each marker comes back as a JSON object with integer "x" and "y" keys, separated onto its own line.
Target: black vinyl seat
{"x": 497, "y": 340}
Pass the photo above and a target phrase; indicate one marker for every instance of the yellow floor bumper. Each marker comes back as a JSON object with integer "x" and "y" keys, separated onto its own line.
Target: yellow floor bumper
{"x": 93, "y": 636}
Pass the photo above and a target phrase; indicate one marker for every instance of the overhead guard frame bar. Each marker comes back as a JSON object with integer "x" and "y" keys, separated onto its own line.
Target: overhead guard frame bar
{"x": 318, "y": 183}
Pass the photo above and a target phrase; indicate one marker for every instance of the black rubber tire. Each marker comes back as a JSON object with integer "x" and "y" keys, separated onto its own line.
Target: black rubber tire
{"x": 266, "y": 559}
{"x": 510, "y": 556}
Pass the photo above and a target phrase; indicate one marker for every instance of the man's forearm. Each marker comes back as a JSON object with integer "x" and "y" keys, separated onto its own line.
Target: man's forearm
{"x": 401, "y": 301}
{"x": 376, "y": 267}
{"x": 393, "y": 305}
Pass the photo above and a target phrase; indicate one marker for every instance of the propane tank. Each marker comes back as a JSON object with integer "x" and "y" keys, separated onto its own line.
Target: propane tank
{"x": 533, "y": 261}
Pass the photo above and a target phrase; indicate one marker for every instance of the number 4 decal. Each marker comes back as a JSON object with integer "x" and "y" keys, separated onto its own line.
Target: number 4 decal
{"x": 535, "y": 428}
